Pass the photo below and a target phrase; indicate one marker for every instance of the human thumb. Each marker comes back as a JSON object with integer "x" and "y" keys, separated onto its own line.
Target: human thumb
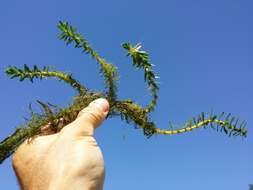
{"x": 90, "y": 118}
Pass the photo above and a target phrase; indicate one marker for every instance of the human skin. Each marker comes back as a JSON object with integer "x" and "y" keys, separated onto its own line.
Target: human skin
{"x": 70, "y": 159}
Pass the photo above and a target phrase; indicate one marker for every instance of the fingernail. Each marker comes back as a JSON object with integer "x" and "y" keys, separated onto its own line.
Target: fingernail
{"x": 101, "y": 103}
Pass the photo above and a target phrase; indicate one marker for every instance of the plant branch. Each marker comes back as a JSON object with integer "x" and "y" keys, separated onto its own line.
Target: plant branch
{"x": 53, "y": 119}
{"x": 69, "y": 35}
{"x": 30, "y": 74}
{"x": 141, "y": 60}
{"x": 226, "y": 126}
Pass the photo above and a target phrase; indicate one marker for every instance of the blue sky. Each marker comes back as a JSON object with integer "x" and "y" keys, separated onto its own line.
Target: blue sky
{"x": 203, "y": 54}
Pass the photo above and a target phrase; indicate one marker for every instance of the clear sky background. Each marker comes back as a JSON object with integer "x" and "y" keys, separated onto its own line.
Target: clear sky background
{"x": 203, "y": 53}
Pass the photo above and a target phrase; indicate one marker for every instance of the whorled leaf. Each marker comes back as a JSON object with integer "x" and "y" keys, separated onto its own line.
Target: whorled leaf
{"x": 128, "y": 110}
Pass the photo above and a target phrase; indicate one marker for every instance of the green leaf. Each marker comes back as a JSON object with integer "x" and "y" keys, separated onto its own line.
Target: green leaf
{"x": 22, "y": 77}
{"x": 46, "y": 108}
{"x": 225, "y": 130}
{"x": 203, "y": 116}
{"x": 26, "y": 68}
{"x": 35, "y": 68}
{"x": 14, "y": 76}
{"x": 227, "y": 118}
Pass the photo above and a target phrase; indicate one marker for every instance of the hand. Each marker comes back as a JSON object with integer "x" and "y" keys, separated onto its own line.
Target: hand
{"x": 70, "y": 159}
